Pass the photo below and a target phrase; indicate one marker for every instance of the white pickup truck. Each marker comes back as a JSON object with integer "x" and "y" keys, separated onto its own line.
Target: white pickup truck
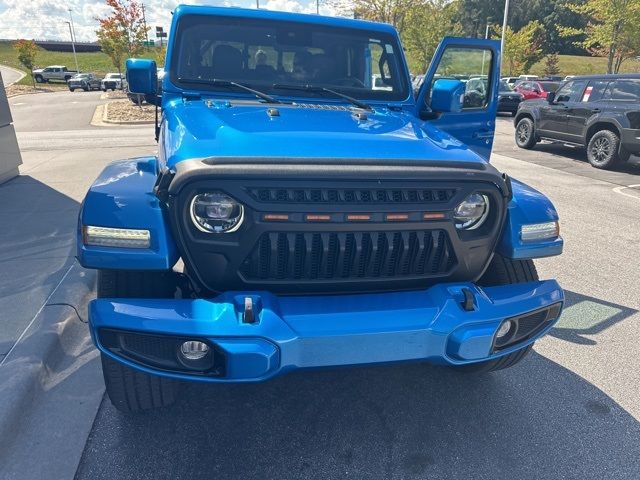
{"x": 53, "y": 72}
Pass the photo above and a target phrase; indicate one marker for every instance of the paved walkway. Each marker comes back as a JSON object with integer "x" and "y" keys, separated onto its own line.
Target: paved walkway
{"x": 10, "y": 75}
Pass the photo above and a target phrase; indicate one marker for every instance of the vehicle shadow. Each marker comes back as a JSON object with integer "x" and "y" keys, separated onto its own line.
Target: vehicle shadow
{"x": 414, "y": 421}
{"x": 585, "y": 315}
{"x": 37, "y": 247}
{"x": 579, "y": 155}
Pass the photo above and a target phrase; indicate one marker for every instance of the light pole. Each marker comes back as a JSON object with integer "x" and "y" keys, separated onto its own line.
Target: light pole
{"x": 72, "y": 32}
{"x": 504, "y": 32}
{"x": 73, "y": 46}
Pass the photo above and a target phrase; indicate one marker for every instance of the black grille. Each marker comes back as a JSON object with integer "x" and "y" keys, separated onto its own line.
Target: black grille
{"x": 349, "y": 255}
{"x": 352, "y": 195}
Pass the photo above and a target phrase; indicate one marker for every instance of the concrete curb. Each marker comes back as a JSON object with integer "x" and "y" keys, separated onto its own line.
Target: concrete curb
{"x": 105, "y": 119}
{"x": 52, "y": 369}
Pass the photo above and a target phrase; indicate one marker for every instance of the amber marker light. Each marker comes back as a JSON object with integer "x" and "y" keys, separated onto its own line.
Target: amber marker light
{"x": 275, "y": 217}
{"x": 318, "y": 218}
{"x": 358, "y": 218}
{"x": 433, "y": 216}
{"x": 397, "y": 217}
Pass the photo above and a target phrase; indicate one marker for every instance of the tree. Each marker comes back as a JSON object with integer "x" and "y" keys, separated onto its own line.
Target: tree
{"x": 420, "y": 23}
{"x": 125, "y": 27}
{"x": 613, "y": 29}
{"x": 27, "y": 51}
{"x": 551, "y": 66}
{"x": 522, "y": 49}
{"x": 114, "y": 46}
{"x": 424, "y": 28}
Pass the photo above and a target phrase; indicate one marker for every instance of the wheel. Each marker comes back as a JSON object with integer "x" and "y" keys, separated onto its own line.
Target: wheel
{"x": 603, "y": 150}
{"x": 103, "y": 89}
{"x": 72, "y": 89}
{"x": 525, "y": 133}
{"x": 130, "y": 390}
{"x": 86, "y": 88}
{"x": 39, "y": 79}
{"x": 504, "y": 271}
{"x": 137, "y": 99}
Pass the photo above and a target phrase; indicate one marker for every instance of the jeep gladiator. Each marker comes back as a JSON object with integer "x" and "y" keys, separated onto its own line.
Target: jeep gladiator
{"x": 299, "y": 216}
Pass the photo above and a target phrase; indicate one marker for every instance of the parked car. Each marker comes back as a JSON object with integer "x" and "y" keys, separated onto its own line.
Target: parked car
{"x": 510, "y": 81}
{"x": 85, "y": 81}
{"x": 508, "y": 100}
{"x": 568, "y": 77}
{"x": 320, "y": 223}
{"x": 53, "y": 72}
{"x": 111, "y": 81}
{"x": 532, "y": 90}
{"x": 552, "y": 78}
{"x": 416, "y": 83}
{"x": 528, "y": 77}
{"x": 599, "y": 112}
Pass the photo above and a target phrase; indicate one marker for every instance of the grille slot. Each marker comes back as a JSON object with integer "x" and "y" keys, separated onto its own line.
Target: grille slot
{"x": 351, "y": 195}
{"x": 310, "y": 256}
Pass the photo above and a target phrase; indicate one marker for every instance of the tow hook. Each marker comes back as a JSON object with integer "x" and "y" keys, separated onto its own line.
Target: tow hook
{"x": 468, "y": 304}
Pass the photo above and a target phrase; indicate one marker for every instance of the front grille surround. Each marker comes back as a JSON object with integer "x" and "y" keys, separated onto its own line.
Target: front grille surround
{"x": 218, "y": 262}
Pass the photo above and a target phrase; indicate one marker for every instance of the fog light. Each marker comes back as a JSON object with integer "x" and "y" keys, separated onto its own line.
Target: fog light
{"x": 504, "y": 329}
{"x": 194, "y": 350}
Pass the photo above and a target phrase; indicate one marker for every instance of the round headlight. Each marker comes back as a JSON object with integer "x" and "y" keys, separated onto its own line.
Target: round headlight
{"x": 472, "y": 212}
{"x": 216, "y": 213}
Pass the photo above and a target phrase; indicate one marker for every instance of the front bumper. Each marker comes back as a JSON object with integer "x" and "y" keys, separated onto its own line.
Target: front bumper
{"x": 326, "y": 331}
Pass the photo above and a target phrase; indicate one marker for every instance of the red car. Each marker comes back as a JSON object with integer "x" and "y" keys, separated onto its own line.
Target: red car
{"x": 532, "y": 89}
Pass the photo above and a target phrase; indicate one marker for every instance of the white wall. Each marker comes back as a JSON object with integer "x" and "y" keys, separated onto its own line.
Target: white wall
{"x": 9, "y": 151}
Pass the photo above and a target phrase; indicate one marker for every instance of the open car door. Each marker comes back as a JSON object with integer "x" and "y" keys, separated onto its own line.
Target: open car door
{"x": 475, "y": 63}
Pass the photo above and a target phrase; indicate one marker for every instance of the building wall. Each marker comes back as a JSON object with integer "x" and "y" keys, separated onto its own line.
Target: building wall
{"x": 9, "y": 151}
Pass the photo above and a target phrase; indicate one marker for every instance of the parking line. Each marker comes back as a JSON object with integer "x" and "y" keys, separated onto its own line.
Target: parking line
{"x": 619, "y": 190}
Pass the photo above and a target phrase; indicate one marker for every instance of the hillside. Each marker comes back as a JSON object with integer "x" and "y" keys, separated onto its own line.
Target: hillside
{"x": 96, "y": 62}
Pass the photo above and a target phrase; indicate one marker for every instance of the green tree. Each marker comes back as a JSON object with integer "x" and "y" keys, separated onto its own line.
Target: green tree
{"x": 113, "y": 45}
{"x": 424, "y": 28}
{"x": 551, "y": 66}
{"x": 613, "y": 29}
{"x": 522, "y": 49}
{"x": 27, "y": 51}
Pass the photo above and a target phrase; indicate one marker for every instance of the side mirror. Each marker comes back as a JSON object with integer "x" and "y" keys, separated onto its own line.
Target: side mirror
{"x": 447, "y": 96}
{"x": 551, "y": 96}
{"x": 142, "y": 76}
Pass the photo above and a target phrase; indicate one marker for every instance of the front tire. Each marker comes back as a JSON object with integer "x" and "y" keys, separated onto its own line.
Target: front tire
{"x": 39, "y": 79}
{"x": 130, "y": 390}
{"x": 604, "y": 152}
{"x": 525, "y": 133}
{"x": 72, "y": 89}
{"x": 504, "y": 271}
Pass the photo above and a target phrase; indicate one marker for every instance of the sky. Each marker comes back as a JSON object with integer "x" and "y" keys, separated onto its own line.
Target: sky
{"x": 45, "y": 19}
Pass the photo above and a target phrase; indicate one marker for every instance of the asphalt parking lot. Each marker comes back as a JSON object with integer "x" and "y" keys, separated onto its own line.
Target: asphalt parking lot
{"x": 570, "y": 410}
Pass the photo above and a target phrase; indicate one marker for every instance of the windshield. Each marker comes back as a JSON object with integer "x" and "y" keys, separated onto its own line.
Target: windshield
{"x": 504, "y": 86}
{"x": 268, "y": 54}
{"x": 550, "y": 86}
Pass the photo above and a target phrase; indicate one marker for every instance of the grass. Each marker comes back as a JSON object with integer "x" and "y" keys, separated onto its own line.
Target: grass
{"x": 579, "y": 65}
{"x": 95, "y": 62}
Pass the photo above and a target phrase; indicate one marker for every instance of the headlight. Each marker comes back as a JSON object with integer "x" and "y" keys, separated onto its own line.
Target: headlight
{"x": 472, "y": 212}
{"x": 216, "y": 212}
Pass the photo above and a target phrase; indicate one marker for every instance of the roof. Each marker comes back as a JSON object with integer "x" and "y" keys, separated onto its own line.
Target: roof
{"x": 283, "y": 16}
{"x": 607, "y": 76}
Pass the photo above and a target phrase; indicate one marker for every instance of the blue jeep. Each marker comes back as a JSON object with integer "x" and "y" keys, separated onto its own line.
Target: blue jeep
{"x": 305, "y": 210}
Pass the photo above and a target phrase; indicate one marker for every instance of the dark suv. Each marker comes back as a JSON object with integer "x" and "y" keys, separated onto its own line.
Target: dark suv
{"x": 601, "y": 113}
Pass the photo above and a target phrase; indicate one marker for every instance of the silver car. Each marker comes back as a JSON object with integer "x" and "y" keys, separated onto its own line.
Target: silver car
{"x": 85, "y": 81}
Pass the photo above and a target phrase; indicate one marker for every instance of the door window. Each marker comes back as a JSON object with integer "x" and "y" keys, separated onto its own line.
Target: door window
{"x": 595, "y": 91}
{"x": 471, "y": 66}
{"x": 625, "y": 90}
{"x": 571, "y": 92}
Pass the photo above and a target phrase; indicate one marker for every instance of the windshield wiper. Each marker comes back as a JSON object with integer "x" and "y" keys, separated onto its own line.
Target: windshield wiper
{"x": 227, "y": 83}
{"x": 318, "y": 88}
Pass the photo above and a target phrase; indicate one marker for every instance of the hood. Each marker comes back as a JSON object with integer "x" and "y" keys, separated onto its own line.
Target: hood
{"x": 201, "y": 129}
